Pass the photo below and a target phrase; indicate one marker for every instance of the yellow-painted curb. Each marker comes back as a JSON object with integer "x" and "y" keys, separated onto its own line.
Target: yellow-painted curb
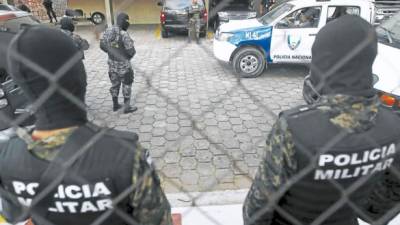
{"x": 157, "y": 32}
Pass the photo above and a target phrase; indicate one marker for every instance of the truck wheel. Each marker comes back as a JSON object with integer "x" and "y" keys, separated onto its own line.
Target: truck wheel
{"x": 98, "y": 18}
{"x": 249, "y": 62}
{"x": 164, "y": 33}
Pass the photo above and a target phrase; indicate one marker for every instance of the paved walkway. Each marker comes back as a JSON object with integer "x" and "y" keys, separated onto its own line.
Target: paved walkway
{"x": 205, "y": 130}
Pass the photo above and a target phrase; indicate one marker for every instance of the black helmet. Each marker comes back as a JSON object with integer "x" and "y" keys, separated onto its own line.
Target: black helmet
{"x": 342, "y": 57}
{"x": 57, "y": 110}
{"x": 123, "y": 21}
{"x": 67, "y": 24}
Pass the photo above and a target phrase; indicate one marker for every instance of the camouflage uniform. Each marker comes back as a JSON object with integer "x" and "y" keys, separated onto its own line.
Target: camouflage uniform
{"x": 117, "y": 69}
{"x": 150, "y": 205}
{"x": 81, "y": 43}
{"x": 194, "y": 21}
{"x": 385, "y": 197}
{"x": 279, "y": 163}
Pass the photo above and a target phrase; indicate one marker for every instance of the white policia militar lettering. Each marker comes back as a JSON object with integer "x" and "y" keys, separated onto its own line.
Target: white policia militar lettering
{"x": 70, "y": 198}
{"x": 386, "y": 67}
{"x": 355, "y": 164}
{"x": 284, "y": 35}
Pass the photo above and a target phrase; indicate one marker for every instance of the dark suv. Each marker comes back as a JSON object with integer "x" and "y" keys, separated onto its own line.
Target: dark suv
{"x": 175, "y": 16}
{"x": 231, "y": 10}
{"x": 13, "y": 103}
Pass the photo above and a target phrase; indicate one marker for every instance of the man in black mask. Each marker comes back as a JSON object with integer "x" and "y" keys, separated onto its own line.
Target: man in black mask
{"x": 69, "y": 171}
{"x": 322, "y": 160}
{"x": 120, "y": 48}
{"x": 68, "y": 28}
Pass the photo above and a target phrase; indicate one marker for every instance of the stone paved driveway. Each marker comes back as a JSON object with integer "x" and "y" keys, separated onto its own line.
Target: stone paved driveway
{"x": 205, "y": 128}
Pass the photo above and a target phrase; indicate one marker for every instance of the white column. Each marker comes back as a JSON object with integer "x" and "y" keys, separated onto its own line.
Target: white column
{"x": 109, "y": 13}
{"x": 208, "y": 14}
{"x": 4, "y": 1}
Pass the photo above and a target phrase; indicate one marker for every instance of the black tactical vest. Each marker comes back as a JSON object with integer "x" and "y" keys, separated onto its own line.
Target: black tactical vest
{"x": 346, "y": 159}
{"x": 117, "y": 50}
{"x": 87, "y": 190}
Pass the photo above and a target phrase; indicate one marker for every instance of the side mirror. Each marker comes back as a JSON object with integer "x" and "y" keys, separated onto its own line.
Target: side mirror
{"x": 159, "y": 3}
{"x": 282, "y": 24}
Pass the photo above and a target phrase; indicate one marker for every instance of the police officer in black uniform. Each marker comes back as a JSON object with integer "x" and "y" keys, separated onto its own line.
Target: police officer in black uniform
{"x": 322, "y": 160}
{"x": 69, "y": 171}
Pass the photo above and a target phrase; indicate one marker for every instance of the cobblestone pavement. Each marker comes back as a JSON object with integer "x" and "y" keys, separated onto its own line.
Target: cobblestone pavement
{"x": 205, "y": 131}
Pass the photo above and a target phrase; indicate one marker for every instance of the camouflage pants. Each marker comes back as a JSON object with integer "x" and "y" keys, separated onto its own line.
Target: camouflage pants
{"x": 117, "y": 80}
{"x": 194, "y": 28}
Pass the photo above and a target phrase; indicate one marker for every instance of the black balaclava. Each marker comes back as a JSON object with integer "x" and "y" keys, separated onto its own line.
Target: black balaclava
{"x": 347, "y": 45}
{"x": 67, "y": 24}
{"x": 123, "y": 21}
{"x": 50, "y": 49}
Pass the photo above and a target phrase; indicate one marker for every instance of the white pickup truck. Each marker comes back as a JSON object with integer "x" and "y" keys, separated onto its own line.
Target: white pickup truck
{"x": 386, "y": 66}
{"x": 283, "y": 35}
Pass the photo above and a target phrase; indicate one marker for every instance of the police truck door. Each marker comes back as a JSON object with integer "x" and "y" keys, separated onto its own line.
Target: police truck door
{"x": 294, "y": 35}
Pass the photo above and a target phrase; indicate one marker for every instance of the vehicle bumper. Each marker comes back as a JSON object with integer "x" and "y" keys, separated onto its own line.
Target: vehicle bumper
{"x": 223, "y": 50}
{"x": 181, "y": 27}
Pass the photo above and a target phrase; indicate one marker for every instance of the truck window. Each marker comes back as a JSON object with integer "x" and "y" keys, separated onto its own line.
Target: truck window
{"x": 389, "y": 32}
{"x": 335, "y": 12}
{"x": 302, "y": 18}
{"x": 180, "y": 4}
{"x": 275, "y": 13}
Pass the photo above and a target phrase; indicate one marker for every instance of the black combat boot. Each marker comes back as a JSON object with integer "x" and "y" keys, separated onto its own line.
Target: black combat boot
{"x": 127, "y": 106}
{"x": 116, "y": 106}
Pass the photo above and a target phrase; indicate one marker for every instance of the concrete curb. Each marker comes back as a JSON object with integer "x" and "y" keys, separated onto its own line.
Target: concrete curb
{"x": 230, "y": 197}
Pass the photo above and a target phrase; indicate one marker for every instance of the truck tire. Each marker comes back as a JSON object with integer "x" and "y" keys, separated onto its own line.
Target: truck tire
{"x": 97, "y": 18}
{"x": 249, "y": 62}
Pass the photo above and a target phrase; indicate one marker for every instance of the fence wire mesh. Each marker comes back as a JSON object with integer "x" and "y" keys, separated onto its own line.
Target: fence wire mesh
{"x": 196, "y": 127}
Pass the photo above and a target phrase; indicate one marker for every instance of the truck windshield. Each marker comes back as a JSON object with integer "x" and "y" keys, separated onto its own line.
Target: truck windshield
{"x": 275, "y": 13}
{"x": 180, "y": 4}
{"x": 389, "y": 31}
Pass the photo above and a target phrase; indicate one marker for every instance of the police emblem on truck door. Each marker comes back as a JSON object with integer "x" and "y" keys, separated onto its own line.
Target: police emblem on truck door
{"x": 294, "y": 41}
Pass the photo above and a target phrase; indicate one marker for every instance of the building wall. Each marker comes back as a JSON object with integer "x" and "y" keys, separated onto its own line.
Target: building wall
{"x": 88, "y": 6}
{"x": 139, "y": 11}
{"x": 40, "y": 12}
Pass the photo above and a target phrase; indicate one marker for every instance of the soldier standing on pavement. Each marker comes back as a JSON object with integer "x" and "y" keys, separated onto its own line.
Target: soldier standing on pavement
{"x": 85, "y": 172}
{"x": 120, "y": 48}
{"x": 352, "y": 141}
{"x": 48, "y": 5}
{"x": 194, "y": 21}
{"x": 68, "y": 28}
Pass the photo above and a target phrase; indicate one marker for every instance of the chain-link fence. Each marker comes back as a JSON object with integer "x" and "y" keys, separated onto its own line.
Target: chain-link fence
{"x": 147, "y": 204}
